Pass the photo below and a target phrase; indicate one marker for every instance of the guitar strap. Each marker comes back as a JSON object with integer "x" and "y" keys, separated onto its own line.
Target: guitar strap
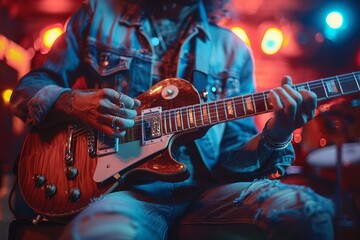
{"x": 212, "y": 138}
{"x": 202, "y": 59}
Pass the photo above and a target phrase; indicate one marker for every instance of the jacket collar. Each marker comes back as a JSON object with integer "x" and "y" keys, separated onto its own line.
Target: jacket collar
{"x": 134, "y": 16}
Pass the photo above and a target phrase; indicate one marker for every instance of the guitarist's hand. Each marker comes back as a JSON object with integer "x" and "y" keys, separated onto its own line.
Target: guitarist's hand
{"x": 107, "y": 110}
{"x": 292, "y": 109}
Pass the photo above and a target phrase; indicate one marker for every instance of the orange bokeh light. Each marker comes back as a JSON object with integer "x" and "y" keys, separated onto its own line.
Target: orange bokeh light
{"x": 241, "y": 33}
{"x": 6, "y": 95}
{"x": 50, "y": 35}
{"x": 272, "y": 41}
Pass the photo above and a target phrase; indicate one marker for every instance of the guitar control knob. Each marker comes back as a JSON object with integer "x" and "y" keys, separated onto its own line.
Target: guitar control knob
{"x": 50, "y": 191}
{"x": 39, "y": 180}
{"x": 71, "y": 173}
{"x": 170, "y": 92}
{"x": 74, "y": 194}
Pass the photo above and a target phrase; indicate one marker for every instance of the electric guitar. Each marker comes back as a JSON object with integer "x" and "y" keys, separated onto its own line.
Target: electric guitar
{"x": 63, "y": 168}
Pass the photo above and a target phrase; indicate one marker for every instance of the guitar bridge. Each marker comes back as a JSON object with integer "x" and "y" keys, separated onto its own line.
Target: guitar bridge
{"x": 151, "y": 125}
{"x": 106, "y": 145}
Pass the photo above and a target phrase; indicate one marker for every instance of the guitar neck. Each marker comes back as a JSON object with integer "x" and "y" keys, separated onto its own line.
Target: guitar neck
{"x": 223, "y": 110}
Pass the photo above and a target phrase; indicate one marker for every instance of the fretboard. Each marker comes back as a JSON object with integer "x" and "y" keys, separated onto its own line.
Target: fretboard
{"x": 223, "y": 110}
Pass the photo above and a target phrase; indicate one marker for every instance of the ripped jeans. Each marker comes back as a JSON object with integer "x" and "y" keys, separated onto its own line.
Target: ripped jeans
{"x": 262, "y": 209}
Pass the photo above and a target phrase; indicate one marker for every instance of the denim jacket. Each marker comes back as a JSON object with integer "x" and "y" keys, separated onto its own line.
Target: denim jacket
{"x": 105, "y": 46}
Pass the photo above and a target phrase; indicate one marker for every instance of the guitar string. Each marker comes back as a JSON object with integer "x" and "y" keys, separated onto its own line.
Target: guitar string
{"x": 314, "y": 85}
{"x": 240, "y": 100}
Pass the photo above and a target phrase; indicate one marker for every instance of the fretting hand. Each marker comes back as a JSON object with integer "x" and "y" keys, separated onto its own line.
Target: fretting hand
{"x": 292, "y": 109}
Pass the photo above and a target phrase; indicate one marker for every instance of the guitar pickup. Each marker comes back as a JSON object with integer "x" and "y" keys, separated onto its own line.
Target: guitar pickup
{"x": 106, "y": 145}
{"x": 151, "y": 125}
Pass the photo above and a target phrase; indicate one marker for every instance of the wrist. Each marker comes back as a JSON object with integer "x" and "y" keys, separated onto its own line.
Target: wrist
{"x": 63, "y": 107}
{"x": 273, "y": 139}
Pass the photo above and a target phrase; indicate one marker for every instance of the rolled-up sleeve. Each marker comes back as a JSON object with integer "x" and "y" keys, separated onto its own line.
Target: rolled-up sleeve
{"x": 243, "y": 154}
{"x": 38, "y": 90}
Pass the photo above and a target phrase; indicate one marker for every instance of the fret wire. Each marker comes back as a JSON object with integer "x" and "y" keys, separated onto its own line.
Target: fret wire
{"x": 234, "y": 107}
{"x": 341, "y": 90}
{"x": 181, "y": 119}
{"x": 356, "y": 80}
{"x": 225, "y": 110}
{"x": 194, "y": 114}
{"x": 176, "y": 119}
{"x": 209, "y": 113}
{"x": 264, "y": 98}
{"x": 213, "y": 113}
{"x": 187, "y": 115}
{"x": 254, "y": 103}
{"x": 217, "y": 112}
{"x": 206, "y": 112}
{"x": 322, "y": 81}
{"x": 243, "y": 104}
{"x": 201, "y": 115}
{"x": 167, "y": 122}
{"x": 170, "y": 125}
{"x": 166, "y": 130}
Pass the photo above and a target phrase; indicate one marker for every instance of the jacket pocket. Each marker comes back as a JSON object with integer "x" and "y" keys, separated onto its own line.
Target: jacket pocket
{"x": 119, "y": 69}
{"x": 223, "y": 85}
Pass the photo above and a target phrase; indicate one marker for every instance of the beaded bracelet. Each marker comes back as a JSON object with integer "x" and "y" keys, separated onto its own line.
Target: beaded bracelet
{"x": 272, "y": 144}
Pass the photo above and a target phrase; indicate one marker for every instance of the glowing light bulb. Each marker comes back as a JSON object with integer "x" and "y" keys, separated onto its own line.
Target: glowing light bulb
{"x": 272, "y": 41}
{"x": 50, "y": 36}
{"x": 6, "y": 95}
{"x": 241, "y": 33}
{"x": 335, "y": 20}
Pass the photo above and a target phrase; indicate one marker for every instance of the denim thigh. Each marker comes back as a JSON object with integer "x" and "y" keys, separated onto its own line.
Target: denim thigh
{"x": 146, "y": 211}
{"x": 263, "y": 209}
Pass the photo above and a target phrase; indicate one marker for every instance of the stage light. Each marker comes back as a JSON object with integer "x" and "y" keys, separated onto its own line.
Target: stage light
{"x": 323, "y": 142}
{"x": 241, "y": 33}
{"x": 50, "y": 35}
{"x": 15, "y": 55}
{"x": 6, "y": 95}
{"x": 319, "y": 38}
{"x": 272, "y": 41}
{"x": 335, "y": 20}
{"x": 3, "y": 45}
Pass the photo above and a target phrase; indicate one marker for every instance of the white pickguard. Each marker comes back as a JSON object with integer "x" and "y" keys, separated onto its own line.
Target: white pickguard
{"x": 128, "y": 154}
